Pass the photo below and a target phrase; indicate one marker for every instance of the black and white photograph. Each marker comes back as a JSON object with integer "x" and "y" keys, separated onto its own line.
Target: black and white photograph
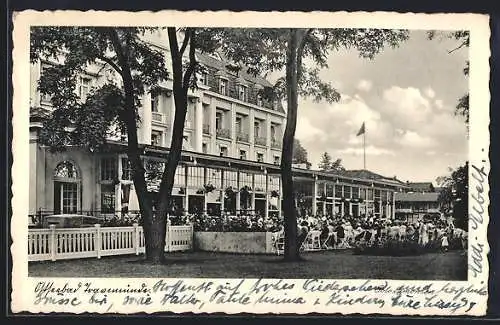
{"x": 236, "y": 167}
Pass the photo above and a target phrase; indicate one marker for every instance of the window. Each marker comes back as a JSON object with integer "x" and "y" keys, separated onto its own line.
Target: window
{"x": 243, "y": 154}
{"x": 108, "y": 169}
{"x": 69, "y": 197}
{"x": 204, "y": 78}
{"x": 83, "y": 87}
{"x": 260, "y": 157}
{"x": 196, "y": 177}
{"x": 156, "y": 138}
{"x": 223, "y": 87}
{"x": 277, "y": 160}
{"x": 259, "y": 100}
{"x": 180, "y": 173}
{"x": 238, "y": 124}
{"x": 126, "y": 169}
{"x": 230, "y": 179}
{"x": 66, "y": 169}
{"x": 273, "y": 132}
{"x": 256, "y": 129}
{"x": 260, "y": 183}
{"x": 155, "y": 100}
{"x": 107, "y": 198}
{"x": 214, "y": 177}
{"x": 223, "y": 151}
{"x": 338, "y": 191}
{"x": 242, "y": 92}
{"x": 204, "y": 147}
{"x": 218, "y": 120}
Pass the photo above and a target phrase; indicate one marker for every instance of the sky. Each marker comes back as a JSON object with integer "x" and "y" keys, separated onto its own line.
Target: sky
{"x": 407, "y": 98}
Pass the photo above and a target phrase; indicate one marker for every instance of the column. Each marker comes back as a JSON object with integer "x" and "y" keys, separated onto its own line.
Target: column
{"x": 267, "y": 196}
{"x": 213, "y": 143}
{"x": 280, "y": 196}
{"x": 393, "y": 212}
{"x": 314, "y": 194}
{"x": 222, "y": 191}
{"x": 186, "y": 191}
{"x": 238, "y": 186}
{"x": 146, "y": 118}
{"x": 232, "y": 129}
{"x": 252, "y": 195}
{"x": 205, "y": 194}
{"x": 198, "y": 125}
{"x": 118, "y": 191}
{"x": 269, "y": 157}
{"x": 251, "y": 136}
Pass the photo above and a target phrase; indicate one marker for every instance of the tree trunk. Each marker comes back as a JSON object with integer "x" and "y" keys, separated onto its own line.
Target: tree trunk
{"x": 292, "y": 248}
{"x": 134, "y": 154}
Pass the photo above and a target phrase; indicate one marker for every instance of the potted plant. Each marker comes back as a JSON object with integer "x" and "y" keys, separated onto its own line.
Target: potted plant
{"x": 209, "y": 188}
{"x": 275, "y": 193}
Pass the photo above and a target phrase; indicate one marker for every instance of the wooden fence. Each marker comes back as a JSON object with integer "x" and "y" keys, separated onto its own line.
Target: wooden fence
{"x": 71, "y": 243}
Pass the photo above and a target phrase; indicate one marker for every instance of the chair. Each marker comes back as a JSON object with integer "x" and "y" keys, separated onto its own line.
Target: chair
{"x": 279, "y": 242}
{"x": 332, "y": 236}
{"x": 312, "y": 241}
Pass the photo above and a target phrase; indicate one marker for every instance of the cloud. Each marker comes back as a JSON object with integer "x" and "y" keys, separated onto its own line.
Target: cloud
{"x": 405, "y": 107}
{"x": 439, "y": 103}
{"x": 415, "y": 140}
{"x": 306, "y": 131}
{"x": 364, "y": 85}
{"x": 370, "y": 150}
{"x": 429, "y": 92}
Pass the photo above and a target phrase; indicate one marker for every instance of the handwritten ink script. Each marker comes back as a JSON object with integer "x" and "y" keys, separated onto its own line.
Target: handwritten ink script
{"x": 244, "y": 294}
{"x": 476, "y": 218}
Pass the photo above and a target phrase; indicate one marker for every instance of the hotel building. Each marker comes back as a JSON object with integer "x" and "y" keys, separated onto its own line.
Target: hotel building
{"x": 230, "y": 159}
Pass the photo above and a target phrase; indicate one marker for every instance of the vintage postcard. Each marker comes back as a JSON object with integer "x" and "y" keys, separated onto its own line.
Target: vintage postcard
{"x": 271, "y": 162}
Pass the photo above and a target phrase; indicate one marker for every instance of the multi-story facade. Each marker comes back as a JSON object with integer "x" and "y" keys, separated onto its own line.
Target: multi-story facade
{"x": 231, "y": 153}
{"x": 413, "y": 206}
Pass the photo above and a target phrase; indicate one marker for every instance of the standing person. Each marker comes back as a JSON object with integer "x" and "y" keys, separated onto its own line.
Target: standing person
{"x": 444, "y": 242}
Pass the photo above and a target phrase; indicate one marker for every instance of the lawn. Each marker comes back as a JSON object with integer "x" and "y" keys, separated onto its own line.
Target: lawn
{"x": 325, "y": 264}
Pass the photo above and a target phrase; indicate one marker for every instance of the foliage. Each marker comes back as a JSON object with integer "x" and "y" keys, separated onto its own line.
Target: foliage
{"x": 463, "y": 39}
{"x": 87, "y": 122}
{"x": 454, "y": 195}
{"x": 300, "y": 154}
{"x": 325, "y": 162}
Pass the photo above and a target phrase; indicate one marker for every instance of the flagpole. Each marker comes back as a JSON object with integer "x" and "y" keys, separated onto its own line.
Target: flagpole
{"x": 364, "y": 149}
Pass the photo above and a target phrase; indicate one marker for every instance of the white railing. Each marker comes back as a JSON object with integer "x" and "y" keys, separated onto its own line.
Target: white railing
{"x": 71, "y": 243}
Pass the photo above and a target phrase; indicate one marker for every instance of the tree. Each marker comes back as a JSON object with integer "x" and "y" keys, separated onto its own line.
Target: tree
{"x": 463, "y": 38}
{"x": 337, "y": 166}
{"x": 275, "y": 49}
{"x": 109, "y": 104}
{"x": 454, "y": 195}
{"x": 300, "y": 154}
{"x": 326, "y": 162}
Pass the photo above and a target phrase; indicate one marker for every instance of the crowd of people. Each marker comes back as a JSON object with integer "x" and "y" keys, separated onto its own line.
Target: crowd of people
{"x": 372, "y": 231}
{"x": 336, "y": 232}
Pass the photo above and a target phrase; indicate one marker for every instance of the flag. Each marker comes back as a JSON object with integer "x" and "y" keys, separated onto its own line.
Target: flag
{"x": 361, "y": 130}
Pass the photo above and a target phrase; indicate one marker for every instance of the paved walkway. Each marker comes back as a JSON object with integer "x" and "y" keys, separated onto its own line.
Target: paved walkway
{"x": 326, "y": 264}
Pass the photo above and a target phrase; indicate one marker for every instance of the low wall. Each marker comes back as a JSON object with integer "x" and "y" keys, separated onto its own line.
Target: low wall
{"x": 234, "y": 242}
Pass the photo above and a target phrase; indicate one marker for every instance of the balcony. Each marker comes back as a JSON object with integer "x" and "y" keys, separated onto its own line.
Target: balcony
{"x": 275, "y": 144}
{"x": 223, "y": 133}
{"x": 242, "y": 137}
{"x": 404, "y": 210}
{"x": 157, "y": 117}
{"x": 261, "y": 141}
{"x": 206, "y": 128}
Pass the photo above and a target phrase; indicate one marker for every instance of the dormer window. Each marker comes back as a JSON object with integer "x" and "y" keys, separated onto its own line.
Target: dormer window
{"x": 260, "y": 102}
{"x": 223, "y": 85}
{"x": 242, "y": 92}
